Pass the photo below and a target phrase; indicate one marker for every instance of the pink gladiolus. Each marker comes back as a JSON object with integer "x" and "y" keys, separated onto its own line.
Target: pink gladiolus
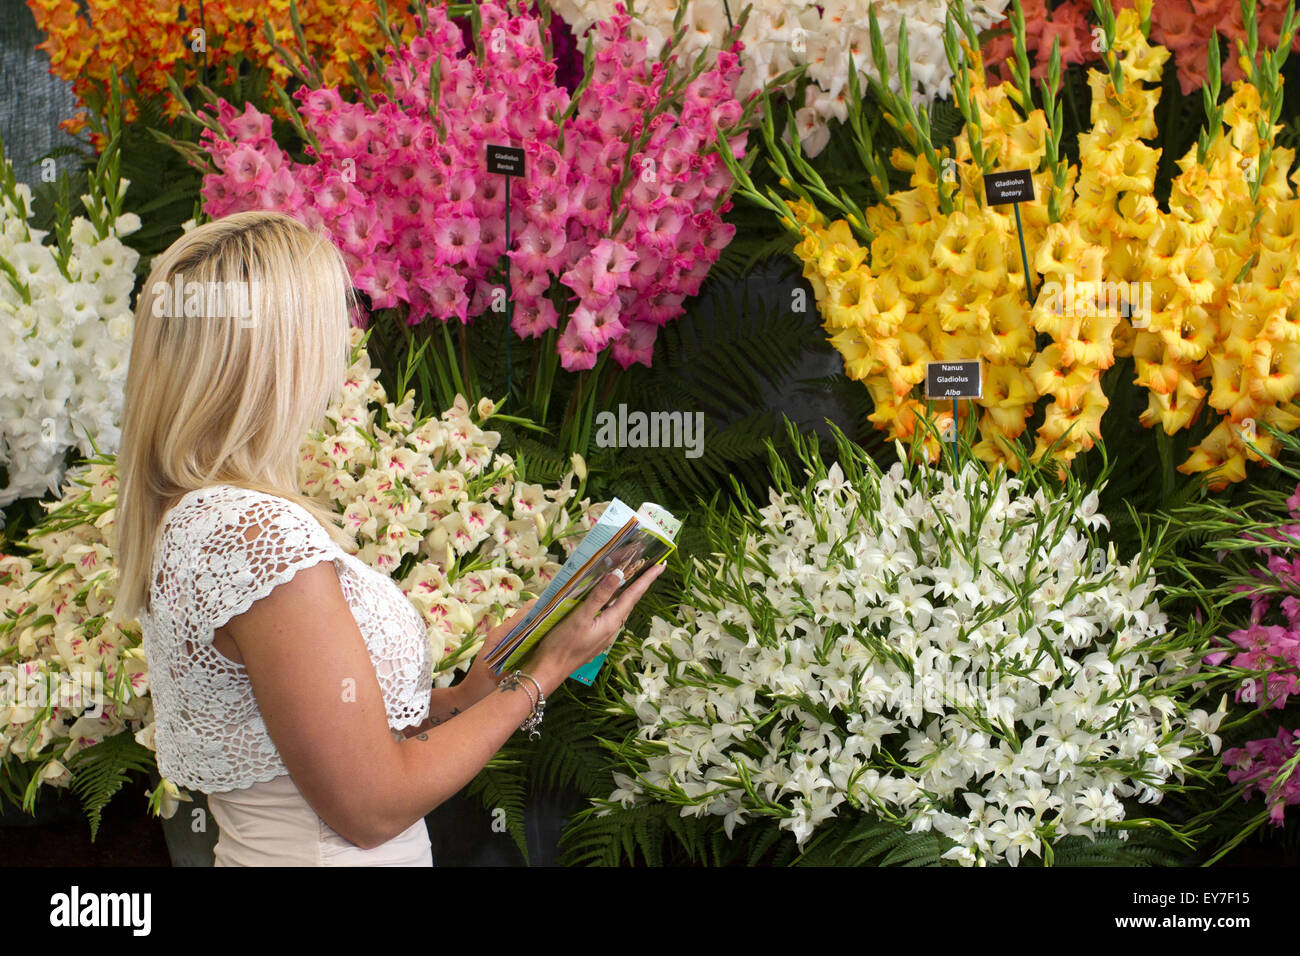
{"x": 382, "y": 282}
{"x": 421, "y": 224}
{"x": 1272, "y": 652}
{"x": 533, "y": 318}
{"x": 597, "y": 328}
{"x": 636, "y": 344}
{"x": 248, "y": 167}
{"x": 575, "y": 353}
{"x": 250, "y": 124}
{"x": 1259, "y": 763}
{"x": 456, "y": 240}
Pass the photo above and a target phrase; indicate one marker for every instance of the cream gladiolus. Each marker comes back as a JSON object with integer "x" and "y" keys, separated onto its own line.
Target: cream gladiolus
{"x": 433, "y": 503}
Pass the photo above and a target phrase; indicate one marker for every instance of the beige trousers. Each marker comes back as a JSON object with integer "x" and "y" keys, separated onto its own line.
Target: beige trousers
{"x": 272, "y": 824}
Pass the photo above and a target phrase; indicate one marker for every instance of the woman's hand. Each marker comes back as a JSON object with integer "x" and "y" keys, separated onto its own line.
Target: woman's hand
{"x": 590, "y": 629}
{"x": 480, "y": 680}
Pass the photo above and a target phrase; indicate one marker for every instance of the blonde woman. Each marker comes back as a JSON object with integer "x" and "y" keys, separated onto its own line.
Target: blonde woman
{"x": 290, "y": 682}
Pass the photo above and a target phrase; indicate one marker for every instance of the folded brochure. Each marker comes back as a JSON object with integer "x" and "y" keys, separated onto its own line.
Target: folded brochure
{"x": 631, "y": 541}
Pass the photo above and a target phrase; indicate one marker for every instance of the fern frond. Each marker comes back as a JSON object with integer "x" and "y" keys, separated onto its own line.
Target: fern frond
{"x": 570, "y": 754}
{"x": 99, "y": 772}
{"x": 502, "y": 785}
{"x": 631, "y": 836}
{"x": 1142, "y": 848}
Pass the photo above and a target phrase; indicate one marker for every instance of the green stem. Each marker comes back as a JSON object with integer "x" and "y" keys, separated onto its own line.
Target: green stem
{"x": 611, "y": 380}
{"x": 570, "y": 408}
{"x": 462, "y": 340}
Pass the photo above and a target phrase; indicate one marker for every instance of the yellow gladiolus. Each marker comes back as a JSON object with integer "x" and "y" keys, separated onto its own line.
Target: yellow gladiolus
{"x": 1026, "y": 141}
{"x": 955, "y": 347}
{"x": 1138, "y": 216}
{"x": 1274, "y": 371}
{"x": 1196, "y": 274}
{"x": 1059, "y": 250}
{"x": 916, "y": 273}
{"x": 955, "y": 248}
{"x": 1221, "y": 453}
{"x": 1133, "y": 166}
{"x": 963, "y": 308}
{"x": 856, "y": 351}
{"x": 839, "y": 260}
{"x": 1075, "y": 424}
{"x": 1196, "y": 205}
{"x": 1091, "y": 344}
{"x": 1204, "y": 297}
{"x": 1231, "y": 392}
{"x": 884, "y": 249}
{"x": 1051, "y": 377}
{"x": 914, "y": 206}
{"x": 1279, "y": 226}
{"x": 1187, "y": 337}
{"x": 1008, "y": 337}
{"x": 1159, "y": 378}
{"x": 1008, "y": 398}
{"x": 1176, "y": 408}
{"x": 989, "y": 259}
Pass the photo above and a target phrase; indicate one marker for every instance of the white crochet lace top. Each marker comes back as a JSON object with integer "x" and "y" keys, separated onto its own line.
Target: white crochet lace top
{"x": 221, "y": 549}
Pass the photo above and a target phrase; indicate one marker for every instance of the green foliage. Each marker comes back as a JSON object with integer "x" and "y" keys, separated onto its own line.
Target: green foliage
{"x": 98, "y": 773}
{"x": 720, "y": 362}
{"x": 650, "y": 834}
{"x": 567, "y": 754}
{"x": 1216, "y": 561}
{"x": 727, "y": 357}
{"x": 501, "y": 786}
{"x": 655, "y": 834}
{"x": 164, "y": 186}
{"x": 19, "y": 784}
{"x": 1146, "y": 848}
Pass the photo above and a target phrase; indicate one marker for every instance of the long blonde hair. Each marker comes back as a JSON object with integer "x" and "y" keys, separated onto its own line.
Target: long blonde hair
{"x": 228, "y": 396}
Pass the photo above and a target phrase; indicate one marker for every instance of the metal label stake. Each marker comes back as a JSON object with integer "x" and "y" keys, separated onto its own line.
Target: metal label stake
{"x": 1015, "y": 187}
{"x": 508, "y": 161}
{"x": 955, "y": 380}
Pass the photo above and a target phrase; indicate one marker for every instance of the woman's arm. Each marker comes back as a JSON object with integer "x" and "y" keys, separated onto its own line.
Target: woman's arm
{"x": 444, "y": 704}
{"x": 436, "y": 760}
{"x": 320, "y": 699}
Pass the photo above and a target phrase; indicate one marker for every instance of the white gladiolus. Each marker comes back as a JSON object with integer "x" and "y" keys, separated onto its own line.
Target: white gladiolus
{"x": 67, "y": 339}
{"x": 826, "y": 36}
{"x": 940, "y": 649}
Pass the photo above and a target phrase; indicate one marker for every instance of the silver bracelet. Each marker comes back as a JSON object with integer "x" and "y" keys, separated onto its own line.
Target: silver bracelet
{"x": 541, "y": 698}
{"x": 534, "y": 719}
{"x": 532, "y": 701}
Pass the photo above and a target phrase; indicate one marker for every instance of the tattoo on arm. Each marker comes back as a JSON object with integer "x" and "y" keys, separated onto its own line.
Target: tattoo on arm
{"x": 434, "y": 720}
{"x": 510, "y": 682}
{"x": 423, "y": 735}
